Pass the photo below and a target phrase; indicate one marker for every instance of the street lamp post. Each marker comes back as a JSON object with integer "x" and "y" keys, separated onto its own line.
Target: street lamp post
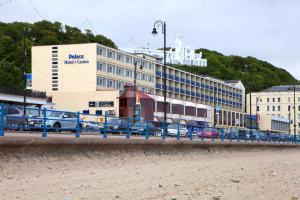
{"x": 24, "y": 69}
{"x": 250, "y": 95}
{"x": 294, "y": 107}
{"x": 157, "y": 24}
{"x": 257, "y": 100}
{"x": 134, "y": 87}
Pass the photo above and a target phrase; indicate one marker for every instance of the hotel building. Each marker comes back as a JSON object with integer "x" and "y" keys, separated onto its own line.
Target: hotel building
{"x": 275, "y": 108}
{"x": 90, "y": 78}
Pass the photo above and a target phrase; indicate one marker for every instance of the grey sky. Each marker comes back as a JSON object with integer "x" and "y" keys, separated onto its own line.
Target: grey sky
{"x": 266, "y": 29}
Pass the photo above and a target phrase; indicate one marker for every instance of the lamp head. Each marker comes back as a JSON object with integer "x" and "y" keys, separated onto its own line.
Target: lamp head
{"x": 154, "y": 31}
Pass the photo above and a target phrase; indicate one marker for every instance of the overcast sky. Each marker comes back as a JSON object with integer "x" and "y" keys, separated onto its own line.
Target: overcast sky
{"x": 266, "y": 29}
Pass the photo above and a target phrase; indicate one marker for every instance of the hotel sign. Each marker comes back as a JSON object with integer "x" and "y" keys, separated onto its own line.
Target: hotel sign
{"x": 76, "y": 59}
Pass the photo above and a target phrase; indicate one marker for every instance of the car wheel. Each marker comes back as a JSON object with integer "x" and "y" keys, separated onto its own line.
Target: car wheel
{"x": 56, "y": 127}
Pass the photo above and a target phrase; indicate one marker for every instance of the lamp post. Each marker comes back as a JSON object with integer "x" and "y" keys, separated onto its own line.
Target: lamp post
{"x": 250, "y": 95}
{"x": 257, "y": 100}
{"x": 24, "y": 69}
{"x": 134, "y": 87}
{"x": 157, "y": 24}
{"x": 294, "y": 107}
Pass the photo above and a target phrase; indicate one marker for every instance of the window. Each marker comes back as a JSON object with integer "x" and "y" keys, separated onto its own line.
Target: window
{"x": 128, "y": 73}
{"x": 298, "y": 99}
{"x": 101, "y": 81}
{"x": 177, "y": 109}
{"x": 120, "y": 71}
{"x": 268, "y": 108}
{"x": 111, "y": 69}
{"x": 120, "y": 85}
{"x": 298, "y": 116}
{"x": 128, "y": 59}
{"x": 278, "y": 99}
{"x": 144, "y": 77}
{"x": 111, "y": 54}
{"x": 150, "y": 79}
{"x": 289, "y": 108}
{"x": 257, "y": 108}
{"x": 273, "y": 99}
{"x": 189, "y": 110}
{"x": 278, "y": 108}
{"x": 101, "y": 66}
{"x": 298, "y": 108}
{"x": 268, "y": 99}
{"x": 160, "y": 106}
{"x": 110, "y": 83}
{"x": 119, "y": 57}
{"x": 98, "y": 112}
{"x": 273, "y": 108}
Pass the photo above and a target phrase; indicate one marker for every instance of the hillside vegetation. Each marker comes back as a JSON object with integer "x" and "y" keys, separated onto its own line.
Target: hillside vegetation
{"x": 259, "y": 74}
{"x": 39, "y": 33}
{"x": 263, "y": 74}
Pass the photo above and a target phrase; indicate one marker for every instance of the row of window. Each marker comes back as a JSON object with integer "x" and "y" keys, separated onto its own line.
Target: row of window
{"x": 200, "y": 85}
{"x": 278, "y": 99}
{"x": 202, "y": 96}
{"x": 110, "y": 83}
{"x": 181, "y": 109}
{"x": 54, "y": 69}
{"x": 121, "y": 57}
{"x": 274, "y": 108}
{"x": 121, "y": 71}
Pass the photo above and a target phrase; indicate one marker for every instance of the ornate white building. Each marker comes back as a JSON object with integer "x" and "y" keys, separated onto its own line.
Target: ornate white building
{"x": 180, "y": 54}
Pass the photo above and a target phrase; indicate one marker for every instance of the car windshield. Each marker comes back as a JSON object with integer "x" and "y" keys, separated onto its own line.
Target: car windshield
{"x": 140, "y": 124}
{"x": 115, "y": 121}
{"x": 54, "y": 114}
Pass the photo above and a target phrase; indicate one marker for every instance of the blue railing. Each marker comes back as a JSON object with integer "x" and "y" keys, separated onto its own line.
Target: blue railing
{"x": 45, "y": 121}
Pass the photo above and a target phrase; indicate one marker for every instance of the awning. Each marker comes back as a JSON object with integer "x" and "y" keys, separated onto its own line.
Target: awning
{"x": 161, "y": 119}
{"x": 179, "y": 121}
{"x": 191, "y": 123}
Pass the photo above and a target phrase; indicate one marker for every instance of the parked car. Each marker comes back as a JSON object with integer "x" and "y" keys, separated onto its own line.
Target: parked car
{"x": 115, "y": 125}
{"x": 94, "y": 126}
{"x": 140, "y": 128}
{"x": 207, "y": 133}
{"x": 14, "y": 119}
{"x": 58, "y": 121}
{"x": 173, "y": 130}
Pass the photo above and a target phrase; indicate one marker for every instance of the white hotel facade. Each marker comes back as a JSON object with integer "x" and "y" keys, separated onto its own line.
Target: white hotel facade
{"x": 179, "y": 54}
{"x": 78, "y": 75}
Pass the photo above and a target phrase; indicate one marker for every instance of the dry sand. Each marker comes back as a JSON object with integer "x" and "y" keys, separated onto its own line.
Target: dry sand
{"x": 148, "y": 171}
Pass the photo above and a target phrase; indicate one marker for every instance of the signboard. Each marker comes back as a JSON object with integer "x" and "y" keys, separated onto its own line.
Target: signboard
{"x": 110, "y": 112}
{"x": 101, "y": 104}
{"x": 76, "y": 59}
{"x": 28, "y": 79}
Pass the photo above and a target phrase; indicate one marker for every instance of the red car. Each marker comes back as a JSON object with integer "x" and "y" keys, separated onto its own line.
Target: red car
{"x": 208, "y": 133}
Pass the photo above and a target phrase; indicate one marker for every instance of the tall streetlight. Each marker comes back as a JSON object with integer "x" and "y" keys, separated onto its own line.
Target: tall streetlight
{"x": 134, "y": 87}
{"x": 24, "y": 69}
{"x": 295, "y": 125}
{"x": 250, "y": 95}
{"x": 257, "y": 100}
{"x": 158, "y": 24}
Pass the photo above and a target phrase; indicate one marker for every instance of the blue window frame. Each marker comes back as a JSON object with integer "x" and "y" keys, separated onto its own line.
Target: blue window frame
{"x": 182, "y": 80}
{"x": 177, "y": 78}
{"x": 198, "y": 84}
{"x": 193, "y": 83}
{"x": 158, "y": 86}
{"x": 177, "y": 90}
{"x": 188, "y": 81}
{"x": 158, "y": 73}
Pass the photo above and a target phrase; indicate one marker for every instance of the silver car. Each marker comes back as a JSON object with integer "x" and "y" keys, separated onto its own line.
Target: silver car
{"x": 59, "y": 121}
{"x": 173, "y": 130}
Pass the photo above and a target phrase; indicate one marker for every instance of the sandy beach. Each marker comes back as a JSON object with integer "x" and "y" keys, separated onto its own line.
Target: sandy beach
{"x": 96, "y": 171}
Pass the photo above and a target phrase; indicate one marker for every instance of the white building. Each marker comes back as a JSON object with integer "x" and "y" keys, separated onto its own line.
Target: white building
{"x": 180, "y": 54}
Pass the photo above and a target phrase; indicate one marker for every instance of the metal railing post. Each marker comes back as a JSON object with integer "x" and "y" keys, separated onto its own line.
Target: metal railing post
{"x": 105, "y": 127}
{"x": 78, "y": 125}
{"x": 190, "y": 134}
{"x": 1, "y": 119}
{"x": 238, "y": 136}
{"x": 164, "y": 132}
{"x": 147, "y": 131}
{"x": 202, "y": 135}
{"x": 128, "y": 129}
{"x": 230, "y": 134}
{"x": 222, "y": 134}
{"x": 258, "y": 136}
{"x": 265, "y": 139}
{"x": 178, "y": 132}
{"x": 246, "y": 133}
{"x": 44, "y": 134}
{"x": 213, "y": 135}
